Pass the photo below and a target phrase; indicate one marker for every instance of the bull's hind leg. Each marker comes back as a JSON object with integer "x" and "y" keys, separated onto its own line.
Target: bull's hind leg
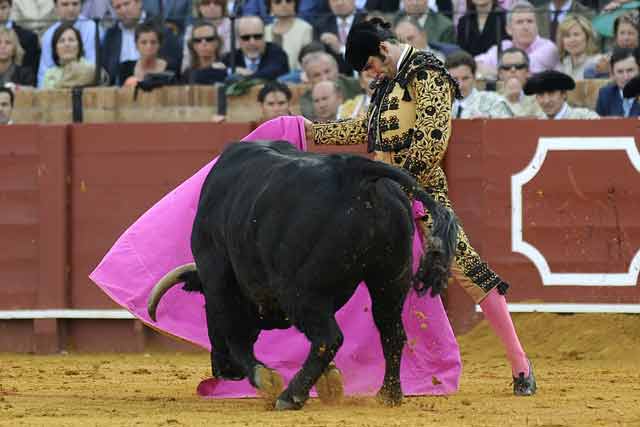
{"x": 322, "y": 330}
{"x": 387, "y": 298}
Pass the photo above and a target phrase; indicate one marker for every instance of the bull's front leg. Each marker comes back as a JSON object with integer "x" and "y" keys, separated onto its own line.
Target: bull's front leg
{"x": 326, "y": 338}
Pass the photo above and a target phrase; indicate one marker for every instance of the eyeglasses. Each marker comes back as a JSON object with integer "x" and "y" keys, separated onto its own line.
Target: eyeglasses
{"x": 247, "y": 37}
{"x": 508, "y": 67}
{"x": 281, "y": 1}
{"x": 208, "y": 39}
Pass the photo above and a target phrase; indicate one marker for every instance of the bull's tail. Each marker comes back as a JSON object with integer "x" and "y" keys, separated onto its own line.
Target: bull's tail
{"x": 435, "y": 264}
{"x": 185, "y": 273}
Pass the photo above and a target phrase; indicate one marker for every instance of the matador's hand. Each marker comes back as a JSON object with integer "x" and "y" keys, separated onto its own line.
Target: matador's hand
{"x": 308, "y": 129}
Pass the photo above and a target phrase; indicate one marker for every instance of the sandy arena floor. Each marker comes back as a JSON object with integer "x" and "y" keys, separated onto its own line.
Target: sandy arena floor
{"x": 588, "y": 370}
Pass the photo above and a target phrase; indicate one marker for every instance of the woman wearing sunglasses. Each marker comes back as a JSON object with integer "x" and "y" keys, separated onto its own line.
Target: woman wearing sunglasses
{"x": 215, "y": 12}
{"x": 288, "y": 31}
{"x": 204, "y": 48}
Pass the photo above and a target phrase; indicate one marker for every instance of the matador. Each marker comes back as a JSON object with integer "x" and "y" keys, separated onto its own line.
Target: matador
{"x": 408, "y": 124}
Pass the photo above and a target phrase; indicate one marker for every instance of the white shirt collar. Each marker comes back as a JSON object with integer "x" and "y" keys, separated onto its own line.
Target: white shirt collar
{"x": 564, "y": 8}
{"x": 563, "y": 112}
{"x": 9, "y": 24}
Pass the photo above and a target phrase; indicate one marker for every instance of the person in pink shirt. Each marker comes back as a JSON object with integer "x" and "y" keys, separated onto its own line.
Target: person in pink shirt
{"x": 522, "y": 27}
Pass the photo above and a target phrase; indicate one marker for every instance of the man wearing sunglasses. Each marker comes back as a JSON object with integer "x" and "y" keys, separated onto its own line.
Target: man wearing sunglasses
{"x": 257, "y": 58}
{"x": 513, "y": 72}
{"x": 408, "y": 125}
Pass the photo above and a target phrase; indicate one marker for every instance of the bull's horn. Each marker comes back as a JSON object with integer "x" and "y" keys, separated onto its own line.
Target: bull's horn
{"x": 169, "y": 279}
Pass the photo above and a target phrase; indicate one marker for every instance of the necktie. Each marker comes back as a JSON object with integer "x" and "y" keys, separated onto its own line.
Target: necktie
{"x": 626, "y": 106}
{"x": 343, "y": 30}
{"x": 553, "y": 28}
{"x": 253, "y": 65}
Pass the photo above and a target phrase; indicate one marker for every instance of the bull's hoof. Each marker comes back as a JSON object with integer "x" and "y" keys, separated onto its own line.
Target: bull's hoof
{"x": 329, "y": 386}
{"x": 269, "y": 384}
{"x": 390, "y": 398}
{"x": 287, "y": 405}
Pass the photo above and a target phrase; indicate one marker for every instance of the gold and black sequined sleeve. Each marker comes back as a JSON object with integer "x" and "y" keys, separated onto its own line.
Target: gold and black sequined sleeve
{"x": 341, "y": 132}
{"x": 433, "y": 95}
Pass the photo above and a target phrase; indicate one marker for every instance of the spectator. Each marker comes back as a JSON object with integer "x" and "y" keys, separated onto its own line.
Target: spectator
{"x": 257, "y": 58}
{"x": 550, "y": 88}
{"x": 439, "y": 28}
{"x": 71, "y": 67}
{"x": 513, "y": 74}
{"x": 552, "y": 13}
{"x": 626, "y": 29}
{"x": 33, "y": 15}
{"x": 7, "y": 100}
{"x": 69, "y": 12}
{"x": 576, "y": 46}
{"x": 332, "y": 29}
{"x": 521, "y": 26}
{"x": 214, "y": 11}
{"x": 288, "y": 31}
{"x": 357, "y": 106}
{"x": 624, "y": 67}
{"x": 148, "y": 38}
{"x": 11, "y": 58}
{"x": 205, "y": 47}
{"x": 119, "y": 43}
{"x": 321, "y": 66}
{"x": 483, "y": 24}
{"x": 100, "y": 9}
{"x": 174, "y": 12}
{"x": 29, "y": 41}
{"x": 327, "y": 98}
{"x": 274, "y": 99}
{"x": 412, "y": 34}
{"x": 474, "y": 103}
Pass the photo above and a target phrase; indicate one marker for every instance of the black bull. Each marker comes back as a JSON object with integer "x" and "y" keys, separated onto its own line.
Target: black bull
{"x": 283, "y": 237}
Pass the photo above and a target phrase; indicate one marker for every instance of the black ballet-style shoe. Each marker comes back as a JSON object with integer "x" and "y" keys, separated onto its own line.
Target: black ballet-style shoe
{"x": 525, "y": 386}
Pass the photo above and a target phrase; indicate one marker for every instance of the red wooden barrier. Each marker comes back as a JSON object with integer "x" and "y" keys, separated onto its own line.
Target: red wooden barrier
{"x": 66, "y": 194}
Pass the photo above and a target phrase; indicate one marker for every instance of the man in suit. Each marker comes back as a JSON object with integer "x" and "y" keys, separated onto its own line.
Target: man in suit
{"x": 439, "y": 28}
{"x": 332, "y": 29}
{"x": 68, "y": 11}
{"x": 119, "y": 42}
{"x": 624, "y": 67}
{"x": 550, "y": 88}
{"x": 28, "y": 39}
{"x": 257, "y": 58}
{"x": 553, "y": 12}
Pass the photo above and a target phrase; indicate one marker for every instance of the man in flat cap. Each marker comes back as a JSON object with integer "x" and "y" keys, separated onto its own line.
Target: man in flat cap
{"x": 550, "y": 88}
{"x": 408, "y": 125}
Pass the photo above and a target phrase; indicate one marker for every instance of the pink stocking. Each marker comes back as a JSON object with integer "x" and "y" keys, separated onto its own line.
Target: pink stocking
{"x": 494, "y": 307}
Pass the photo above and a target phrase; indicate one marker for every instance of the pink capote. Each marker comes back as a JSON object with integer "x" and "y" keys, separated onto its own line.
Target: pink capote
{"x": 160, "y": 240}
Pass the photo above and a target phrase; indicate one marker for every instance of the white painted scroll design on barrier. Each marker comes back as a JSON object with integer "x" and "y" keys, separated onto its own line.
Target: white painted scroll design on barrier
{"x": 527, "y": 174}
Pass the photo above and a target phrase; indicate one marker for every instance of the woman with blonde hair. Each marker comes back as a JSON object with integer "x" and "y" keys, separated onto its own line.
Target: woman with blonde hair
{"x": 11, "y": 55}
{"x": 576, "y": 46}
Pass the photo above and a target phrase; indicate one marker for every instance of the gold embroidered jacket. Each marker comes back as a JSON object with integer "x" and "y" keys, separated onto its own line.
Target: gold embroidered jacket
{"x": 409, "y": 118}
